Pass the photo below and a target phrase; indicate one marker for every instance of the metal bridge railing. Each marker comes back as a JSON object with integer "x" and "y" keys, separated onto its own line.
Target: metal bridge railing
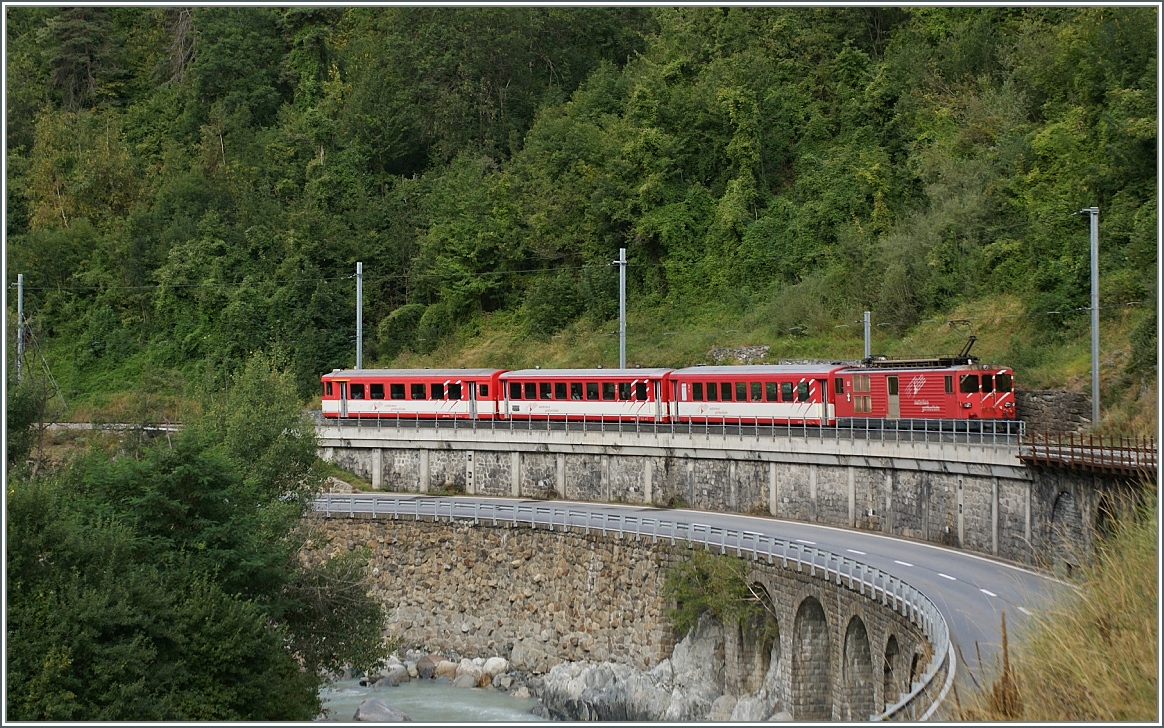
{"x": 1136, "y": 456}
{"x": 873, "y": 583}
{"x": 981, "y": 433}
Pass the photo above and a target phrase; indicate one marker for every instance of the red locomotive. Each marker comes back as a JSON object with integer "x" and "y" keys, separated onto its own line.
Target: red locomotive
{"x": 954, "y": 388}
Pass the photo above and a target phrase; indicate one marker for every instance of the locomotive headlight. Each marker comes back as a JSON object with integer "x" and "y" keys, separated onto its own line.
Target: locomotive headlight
{"x": 965, "y": 405}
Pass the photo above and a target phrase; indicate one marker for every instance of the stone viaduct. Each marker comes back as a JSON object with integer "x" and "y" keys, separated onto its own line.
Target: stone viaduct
{"x": 543, "y": 597}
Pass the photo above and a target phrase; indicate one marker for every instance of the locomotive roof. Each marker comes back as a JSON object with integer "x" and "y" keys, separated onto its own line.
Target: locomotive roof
{"x": 761, "y": 369}
{"x": 906, "y": 367}
{"x": 587, "y": 372}
{"x": 412, "y": 372}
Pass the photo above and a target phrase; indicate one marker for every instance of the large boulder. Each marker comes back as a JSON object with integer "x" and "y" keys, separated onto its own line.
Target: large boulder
{"x": 465, "y": 680}
{"x": 375, "y": 710}
{"x": 446, "y": 669}
{"x": 495, "y": 666}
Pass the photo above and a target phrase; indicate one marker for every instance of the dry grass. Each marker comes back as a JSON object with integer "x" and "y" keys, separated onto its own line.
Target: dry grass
{"x": 1095, "y": 657}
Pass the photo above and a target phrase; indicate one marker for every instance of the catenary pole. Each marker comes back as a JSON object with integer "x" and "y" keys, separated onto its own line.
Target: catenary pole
{"x": 622, "y": 308}
{"x": 867, "y": 345}
{"x": 359, "y": 315}
{"x": 19, "y": 326}
{"x": 1094, "y": 315}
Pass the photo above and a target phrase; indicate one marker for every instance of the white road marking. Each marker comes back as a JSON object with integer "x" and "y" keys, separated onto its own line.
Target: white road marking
{"x": 1024, "y": 611}
{"x": 989, "y": 593}
{"x": 946, "y": 576}
{"x": 855, "y": 551}
{"x": 810, "y": 543}
{"x": 901, "y": 562}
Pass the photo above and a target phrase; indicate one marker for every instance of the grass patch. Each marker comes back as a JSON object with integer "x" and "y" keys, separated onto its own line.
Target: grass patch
{"x": 331, "y": 470}
{"x": 1092, "y": 657}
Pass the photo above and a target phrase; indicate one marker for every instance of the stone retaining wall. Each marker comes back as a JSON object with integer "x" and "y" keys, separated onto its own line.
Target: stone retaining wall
{"x": 1053, "y": 410}
{"x": 1007, "y": 512}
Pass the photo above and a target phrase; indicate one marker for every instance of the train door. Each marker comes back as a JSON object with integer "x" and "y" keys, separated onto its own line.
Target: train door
{"x": 823, "y": 385}
{"x": 894, "y": 399}
{"x": 472, "y": 400}
{"x": 343, "y": 399}
{"x": 656, "y": 390}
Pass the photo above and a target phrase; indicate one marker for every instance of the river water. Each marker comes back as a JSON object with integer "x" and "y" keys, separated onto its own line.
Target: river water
{"x": 427, "y": 702}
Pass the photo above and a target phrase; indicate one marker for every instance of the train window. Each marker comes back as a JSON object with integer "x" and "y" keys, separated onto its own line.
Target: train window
{"x": 624, "y": 391}
{"x": 968, "y": 383}
{"x": 741, "y": 391}
{"x": 575, "y": 390}
{"x": 376, "y": 390}
{"x": 455, "y": 390}
{"x": 436, "y": 391}
{"x": 712, "y": 390}
{"x": 531, "y": 390}
{"x": 559, "y": 390}
{"x": 1002, "y": 382}
{"x": 483, "y": 390}
{"x": 591, "y": 390}
{"x": 771, "y": 392}
{"x": 515, "y": 390}
{"x": 546, "y": 390}
{"x": 802, "y": 392}
{"x": 641, "y": 391}
{"x": 987, "y": 383}
{"x": 357, "y": 391}
{"x": 786, "y": 391}
{"x": 725, "y": 391}
{"x": 757, "y": 393}
{"x": 861, "y": 383}
{"x": 892, "y": 385}
{"x": 862, "y": 404}
{"x": 839, "y": 385}
{"x": 608, "y": 390}
{"x": 329, "y": 389}
{"x": 697, "y": 392}
{"x": 396, "y": 391}
{"x": 417, "y": 391}
{"x": 949, "y": 384}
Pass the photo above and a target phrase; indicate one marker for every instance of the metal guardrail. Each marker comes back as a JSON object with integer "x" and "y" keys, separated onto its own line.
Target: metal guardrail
{"x": 982, "y": 433}
{"x": 868, "y": 581}
{"x": 1121, "y": 455}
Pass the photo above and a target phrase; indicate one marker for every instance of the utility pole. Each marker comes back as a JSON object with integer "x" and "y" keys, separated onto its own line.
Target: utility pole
{"x": 359, "y": 315}
{"x": 1094, "y": 213}
{"x": 867, "y": 343}
{"x": 621, "y": 263}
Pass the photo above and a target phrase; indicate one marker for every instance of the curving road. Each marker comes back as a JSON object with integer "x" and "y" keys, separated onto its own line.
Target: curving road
{"x": 971, "y": 591}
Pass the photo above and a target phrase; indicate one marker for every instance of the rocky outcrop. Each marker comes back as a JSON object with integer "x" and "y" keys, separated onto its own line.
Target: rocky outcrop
{"x": 687, "y": 686}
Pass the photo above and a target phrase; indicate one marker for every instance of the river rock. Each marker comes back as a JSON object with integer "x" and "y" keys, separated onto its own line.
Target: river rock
{"x": 465, "y": 680}
{"x": 446, "y": 669}
{"x": 468, "y": 668}
{"x": 393, "y": 676}
{"x": 522, "y": 692}
{"x": 412, "y": 671}
{"x": 503, "y": 682}
{"x": 378, "y": 711}
{"x": 426, "y": 666}
{"x": 496, "y": 665}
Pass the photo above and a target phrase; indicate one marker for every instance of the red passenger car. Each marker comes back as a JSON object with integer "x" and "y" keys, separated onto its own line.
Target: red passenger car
{"x": 421, "y": 393}
{"x": 763, "y": 394}
{"x": 591, "y": 394}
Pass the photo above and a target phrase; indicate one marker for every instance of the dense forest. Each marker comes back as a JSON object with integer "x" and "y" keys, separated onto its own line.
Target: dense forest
{"x": 189, "y": 186}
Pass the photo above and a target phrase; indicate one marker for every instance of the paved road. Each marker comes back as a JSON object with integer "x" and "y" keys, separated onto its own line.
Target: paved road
{"x": 972, "y": 592}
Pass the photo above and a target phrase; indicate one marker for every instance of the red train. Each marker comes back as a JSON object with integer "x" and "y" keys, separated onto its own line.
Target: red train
{"x": 939, "y": 389}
